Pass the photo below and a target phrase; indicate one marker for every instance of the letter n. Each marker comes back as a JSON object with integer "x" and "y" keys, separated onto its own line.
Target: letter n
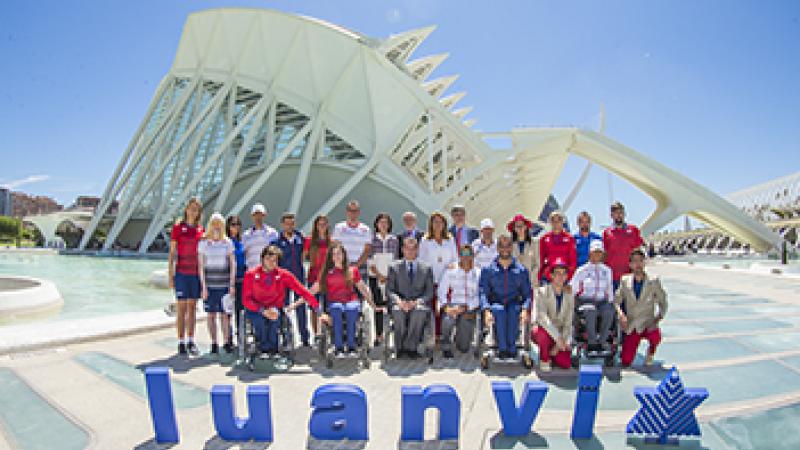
{"x": 416, "y": 400}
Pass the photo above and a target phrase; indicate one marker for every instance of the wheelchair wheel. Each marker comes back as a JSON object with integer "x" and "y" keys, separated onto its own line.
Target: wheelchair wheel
{"x": 251, "y": 363}
{"x": 322, "y": 338}
{"x": 329, "y": 361}
{"x": 609, "y": 361}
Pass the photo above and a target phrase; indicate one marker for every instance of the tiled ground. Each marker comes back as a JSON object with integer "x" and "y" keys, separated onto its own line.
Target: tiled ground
{"x": 737, "y": 335}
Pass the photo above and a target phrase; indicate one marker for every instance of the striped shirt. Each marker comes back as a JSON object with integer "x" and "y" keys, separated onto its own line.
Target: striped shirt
{"x": 389, "y": 245}
{"x": 593, "y": 282}
{"x": 216, "y": 262}
{"x": 353, "y": 239}
{"x": 484, "y": 254}
{"x": 462, "y": 287}
{"x": 254, "y": 241}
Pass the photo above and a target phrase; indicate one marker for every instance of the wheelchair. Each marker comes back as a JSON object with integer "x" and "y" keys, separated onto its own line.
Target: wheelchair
{"x": 487, "y": 350}
{"x": 581, "y": 348}
{"x": 363, "y": 336}
{"x": 425, "y": 348}
{"x": 249, "y": 351}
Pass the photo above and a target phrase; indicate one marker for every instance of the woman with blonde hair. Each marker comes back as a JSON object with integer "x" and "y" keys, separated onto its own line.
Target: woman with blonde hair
{"x": 217, "y": 268}
{"x": 183, "y": 273}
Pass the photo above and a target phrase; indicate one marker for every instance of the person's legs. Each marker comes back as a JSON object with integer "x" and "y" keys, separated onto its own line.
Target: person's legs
{"x": 180, "y": 319}
{"x": 377, "y": 297}
{"x": 606, "y": 310}
{"x": 563, "y": 359}
{"x": 301, "y": 313}
{"x": 545, "y": 343}
{"x": 500, "y": 324}
{"x": 446, "y": 339}
{"x": 352, "y": 310}
{"x": 589, "y": 312}
{"x": 630, "y": 343}
{"x": 191, "y": 318}
{"x": 211, "y": 322}
{"x": 416, "y": 328}
{"x": 399, "y": 317}
{"x": 273, "y": 328}
{"x": 335, "y": 310}
{"x": 226, "y": 327}
{"x": 512, "y": 328}
{"x": 259, "y": 329}
{"x": 653, "y": 338}
{"x": 465, "y": 331}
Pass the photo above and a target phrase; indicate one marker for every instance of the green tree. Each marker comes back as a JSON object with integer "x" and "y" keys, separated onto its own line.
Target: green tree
{"x": 10, "y": 229}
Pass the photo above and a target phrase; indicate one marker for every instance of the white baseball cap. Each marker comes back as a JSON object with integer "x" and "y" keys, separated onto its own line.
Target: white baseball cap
{"x": 487, "y": 223}
{"x": 596, "y": 245}
{"x": 258, "y": 208}
{"x": 217, "y": 216}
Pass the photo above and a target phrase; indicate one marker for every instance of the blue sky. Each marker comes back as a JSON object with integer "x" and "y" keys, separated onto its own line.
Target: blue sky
{"x": 709, "y": 88}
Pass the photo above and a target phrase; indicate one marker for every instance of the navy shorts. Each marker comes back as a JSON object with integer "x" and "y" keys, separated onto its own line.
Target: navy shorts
{"x": 213, "y": 304}
{"x": 187, "y": 287}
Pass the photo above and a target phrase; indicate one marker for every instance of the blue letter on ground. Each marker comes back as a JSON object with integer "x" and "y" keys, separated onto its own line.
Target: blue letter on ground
{"x": 339, "y": 411}
{"x": 258, "y": 426}
{"x": 162, "y": 409}
{"x": 586, "y": 401}
{"x": 416, "y": 400}
{"x": 517, "y": 421}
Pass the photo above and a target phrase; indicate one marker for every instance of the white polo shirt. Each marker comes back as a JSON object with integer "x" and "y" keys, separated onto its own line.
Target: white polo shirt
{"x": 353, "y": 239}
{"x": 254, "y": 240}
{"x": 462, "y": 285}
{"x": 484, "y": 254}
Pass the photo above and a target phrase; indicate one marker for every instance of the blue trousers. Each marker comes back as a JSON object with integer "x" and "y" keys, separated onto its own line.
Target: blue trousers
{"x": 350, "y": 310}
{"x": 266, "y": 331}
{"x": 506, "y": 322}
{"x": 301, "y": 312}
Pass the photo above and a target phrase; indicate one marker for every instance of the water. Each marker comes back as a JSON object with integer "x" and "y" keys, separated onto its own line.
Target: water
{"x": 92, "y": 287}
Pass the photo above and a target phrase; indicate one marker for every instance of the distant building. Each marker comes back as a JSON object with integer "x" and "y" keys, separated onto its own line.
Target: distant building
{"x": 6, "y": 204}
{"x": 28, "y": 205}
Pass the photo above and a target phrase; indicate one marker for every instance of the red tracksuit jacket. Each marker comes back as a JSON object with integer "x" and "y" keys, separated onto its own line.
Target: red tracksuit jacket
{"x": 552, "y": 246}
{"x": 618, "y": 244}
{"x": 262, "y": 290}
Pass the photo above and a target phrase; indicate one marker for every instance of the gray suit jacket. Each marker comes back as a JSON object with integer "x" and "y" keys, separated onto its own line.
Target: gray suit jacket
{"x": 399, "y": 286}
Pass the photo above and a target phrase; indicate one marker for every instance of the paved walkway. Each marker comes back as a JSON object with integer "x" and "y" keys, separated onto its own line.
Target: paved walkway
{"x": 736, "y": 334}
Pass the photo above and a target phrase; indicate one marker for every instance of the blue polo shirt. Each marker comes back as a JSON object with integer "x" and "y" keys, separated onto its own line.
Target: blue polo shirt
{"x": 582, "y": 245}
{"x": 292, "y": 248}
{"x": 499, "y": 285}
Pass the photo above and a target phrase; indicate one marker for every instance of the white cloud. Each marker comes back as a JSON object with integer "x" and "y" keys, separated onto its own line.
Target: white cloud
{"x": 27, "y": 180}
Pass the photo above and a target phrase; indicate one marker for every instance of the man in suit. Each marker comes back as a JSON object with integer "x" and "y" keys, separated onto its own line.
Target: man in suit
{"x": 555, "y": 306}
{"x": 409, "y": 286}
{"x": 409, "y": 230}
{"x": 462, "y": 233}
{"x": 637, "y": 298}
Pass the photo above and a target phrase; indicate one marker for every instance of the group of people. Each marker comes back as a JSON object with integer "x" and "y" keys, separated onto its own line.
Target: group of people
{"x": 444, "y": 277}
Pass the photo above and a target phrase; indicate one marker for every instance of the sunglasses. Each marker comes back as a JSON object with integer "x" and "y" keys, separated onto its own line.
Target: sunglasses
{"x": 271, "y": 254}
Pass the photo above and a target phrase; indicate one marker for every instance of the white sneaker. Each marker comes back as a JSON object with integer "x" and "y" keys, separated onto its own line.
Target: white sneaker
{"x": 648, "y": 360}
{"x": 544, "y": 366}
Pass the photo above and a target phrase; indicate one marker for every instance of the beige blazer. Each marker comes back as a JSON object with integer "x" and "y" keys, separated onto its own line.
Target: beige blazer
{"x": 641, "y": 313}
{"x": 529, "y": 258}
{"x": 556, "y": 323}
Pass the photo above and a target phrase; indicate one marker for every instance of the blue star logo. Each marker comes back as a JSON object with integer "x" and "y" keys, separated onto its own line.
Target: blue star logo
{"x": 667, "y": 411}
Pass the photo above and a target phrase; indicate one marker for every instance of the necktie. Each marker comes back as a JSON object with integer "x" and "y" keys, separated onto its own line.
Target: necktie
{"x": 411, "y": 272}
{"x": 458, "y": 238}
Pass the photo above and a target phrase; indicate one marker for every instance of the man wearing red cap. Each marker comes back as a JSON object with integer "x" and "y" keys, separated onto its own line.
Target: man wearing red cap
{"x": 554, "y": 311}
{"x": 619, "y": 240}
{"x": 556, "y": 244}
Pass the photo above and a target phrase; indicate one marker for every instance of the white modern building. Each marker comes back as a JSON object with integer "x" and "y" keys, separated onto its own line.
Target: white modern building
{"x": 303, "y": 115}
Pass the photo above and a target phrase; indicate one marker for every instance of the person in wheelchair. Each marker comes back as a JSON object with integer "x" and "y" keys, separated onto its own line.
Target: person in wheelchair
{"x": 337, "y": 285}
{"x": 637, "y": 298}
{"x": 593, "y": 287}
{"x": 505, "y": 296}
{"x": 409, "y": 285}
{"x": 555, "y": 307}
{"x": 263, "y": 295}
{"x": 458, "y": 292}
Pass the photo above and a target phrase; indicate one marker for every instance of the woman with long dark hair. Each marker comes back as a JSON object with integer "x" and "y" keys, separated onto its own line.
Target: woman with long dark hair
{"x": 315, "y": 250}
{"x": 233, "y": 227}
